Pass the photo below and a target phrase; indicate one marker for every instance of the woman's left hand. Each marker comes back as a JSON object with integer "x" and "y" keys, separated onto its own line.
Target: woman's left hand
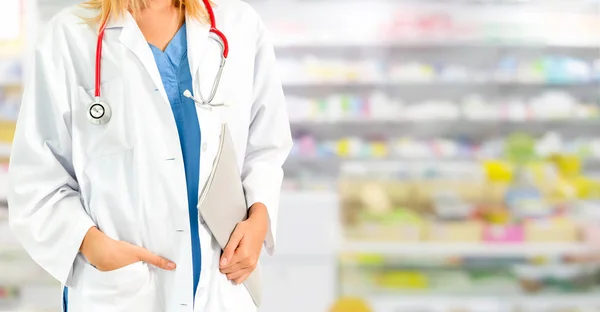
{"x": 242, "y": 252}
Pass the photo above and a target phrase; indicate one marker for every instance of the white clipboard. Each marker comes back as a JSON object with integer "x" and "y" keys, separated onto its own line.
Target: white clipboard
{"x": 223, "y": 204}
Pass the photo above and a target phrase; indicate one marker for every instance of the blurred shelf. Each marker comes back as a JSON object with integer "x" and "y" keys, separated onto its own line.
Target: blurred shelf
{"x": 444, "y": 128}
{"x": 393, "y": 302}
{"x": 471, "y": 249}
{"x": 23, "y": 271}
{"x": 437, "y": 84}
{"x": 375, "y": 43}
{"x": 294, "y": 161}
{"x": 327, "y": 170}
{"x": 330, "y": 162}
{"x": 38, "y": 298}
{"x": 595, "y": 122}
{"x": 20, "y": 309}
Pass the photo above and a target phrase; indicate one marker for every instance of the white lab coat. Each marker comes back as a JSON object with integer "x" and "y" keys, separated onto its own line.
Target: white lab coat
{"x": 127, "y": 177}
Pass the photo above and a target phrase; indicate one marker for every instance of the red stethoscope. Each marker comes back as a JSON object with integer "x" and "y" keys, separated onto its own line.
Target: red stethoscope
{"x": 100, "y": 112}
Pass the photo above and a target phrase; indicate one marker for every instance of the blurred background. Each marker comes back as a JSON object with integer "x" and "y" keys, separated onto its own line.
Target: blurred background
{"x": 447, "y": 155}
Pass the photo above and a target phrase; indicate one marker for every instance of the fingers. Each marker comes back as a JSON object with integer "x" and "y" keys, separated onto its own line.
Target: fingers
{"x": 242, "y": 278}
{"x": 241, "y": 265}
{"x": 242, "y": 258}
{"x": 155, "y": 260}
{"x": 229, "y": 251}
{"x": 237, "y": 274}
{"x": 233, "y": 267}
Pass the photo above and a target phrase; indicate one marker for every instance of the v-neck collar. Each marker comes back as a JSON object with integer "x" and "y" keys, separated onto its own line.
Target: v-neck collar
{"x": 176, "y": 48}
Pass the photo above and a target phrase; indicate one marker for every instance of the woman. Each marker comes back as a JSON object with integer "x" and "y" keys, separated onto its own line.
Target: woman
{"x": 110, "y": 162}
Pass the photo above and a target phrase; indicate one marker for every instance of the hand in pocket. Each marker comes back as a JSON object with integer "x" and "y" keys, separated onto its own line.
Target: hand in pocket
{"x": 107, "y": 254}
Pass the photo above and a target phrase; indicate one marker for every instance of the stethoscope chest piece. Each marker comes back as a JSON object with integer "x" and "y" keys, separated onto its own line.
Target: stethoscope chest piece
{"x": 99, "y": 113}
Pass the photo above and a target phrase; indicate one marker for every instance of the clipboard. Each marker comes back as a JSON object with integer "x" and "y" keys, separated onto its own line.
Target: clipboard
{"x": 223, "y": 204}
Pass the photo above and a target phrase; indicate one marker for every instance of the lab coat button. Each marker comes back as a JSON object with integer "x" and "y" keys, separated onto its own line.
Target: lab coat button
{"x": 204, "y": 146}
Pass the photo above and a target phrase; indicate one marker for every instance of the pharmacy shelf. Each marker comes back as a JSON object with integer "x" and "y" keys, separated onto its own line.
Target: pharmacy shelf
{"x": 402, "y": 43}
{"x": 327, "y": 170}
{"x": 471, "y": 249}
{"x": 435, "y": 84}
{"x": 39, "y": 298}
{"x": 33, "y": 309}
{"x": 394, "y": 302}
{"x": 294, "y": 161}
{"x": 587, "y": 122}
{"x": 331, "y": 166}
{"x": 335, "y": 161}
{"x": 444, "y": 128}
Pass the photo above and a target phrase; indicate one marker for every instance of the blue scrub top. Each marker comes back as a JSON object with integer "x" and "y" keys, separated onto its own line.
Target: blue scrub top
{"x": 174, "y": 68}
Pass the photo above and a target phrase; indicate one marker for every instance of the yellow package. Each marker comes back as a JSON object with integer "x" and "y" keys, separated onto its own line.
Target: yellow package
{"x": 7, "y": 131}
{"x": 403, "y": 280}
{"x": 350, "y": 304}
{"x": 379, "y": 149}
{"x": 498, "y": 171}
{"x": 567, "y": 165}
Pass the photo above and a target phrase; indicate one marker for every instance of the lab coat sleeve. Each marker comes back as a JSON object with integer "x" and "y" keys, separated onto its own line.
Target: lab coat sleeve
{"x": 45, "y": 211}
{"x": 269, "y": 140}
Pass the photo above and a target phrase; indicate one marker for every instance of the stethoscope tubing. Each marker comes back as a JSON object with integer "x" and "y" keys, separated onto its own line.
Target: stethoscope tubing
{"x": 220, "y": 38}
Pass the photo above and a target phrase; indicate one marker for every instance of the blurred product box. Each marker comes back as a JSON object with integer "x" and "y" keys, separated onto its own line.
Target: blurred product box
{"x": 503, "y": 234}
{"x": 454, "y": 231}
{"x": 7, "y": 131}
{"x": 9, "y": 297}
{"x": 405, "y": 280}
{"x": 558, "y": 278}
{"x": 551, "y": 230}
{"x": 390, "y": 233}
{"x": 590, "y": 233}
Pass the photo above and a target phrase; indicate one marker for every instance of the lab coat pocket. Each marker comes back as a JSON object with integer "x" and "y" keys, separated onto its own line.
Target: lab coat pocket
{"x": 130, "y": 275}
{"x": 122, "y": 290}
{"x": 98, "y": 140}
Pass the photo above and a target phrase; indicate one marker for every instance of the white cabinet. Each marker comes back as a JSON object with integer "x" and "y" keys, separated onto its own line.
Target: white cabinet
{"x": 302, "y": 275}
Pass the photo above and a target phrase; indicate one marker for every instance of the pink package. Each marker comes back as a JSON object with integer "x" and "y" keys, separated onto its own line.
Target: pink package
{"x": 591, "y": 234}
{"x": 307, "y": 146}
{"x": 503, "y": 234}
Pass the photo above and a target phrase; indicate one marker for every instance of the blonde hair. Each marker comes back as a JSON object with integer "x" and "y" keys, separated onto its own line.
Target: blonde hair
{"x": 116, "y": 8}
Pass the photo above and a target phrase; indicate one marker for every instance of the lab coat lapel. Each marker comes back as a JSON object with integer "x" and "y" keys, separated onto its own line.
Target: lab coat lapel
{"x": 197, "y": 34}
{"x": 132, "y": 38}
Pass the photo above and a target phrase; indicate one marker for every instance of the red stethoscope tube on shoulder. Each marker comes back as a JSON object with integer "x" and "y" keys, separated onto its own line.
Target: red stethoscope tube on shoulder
{"x": 99, "y": 112}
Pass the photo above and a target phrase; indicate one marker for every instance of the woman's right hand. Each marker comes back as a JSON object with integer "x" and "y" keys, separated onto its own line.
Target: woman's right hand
{"x": 107, "y": 254}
